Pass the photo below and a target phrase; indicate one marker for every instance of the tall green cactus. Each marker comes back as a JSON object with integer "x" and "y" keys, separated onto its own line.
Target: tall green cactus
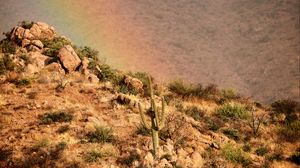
{"x": 157, "y": 119}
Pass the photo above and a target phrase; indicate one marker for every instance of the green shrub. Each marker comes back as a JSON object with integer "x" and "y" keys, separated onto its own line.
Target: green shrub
{"x": 87, "y": 52}
{"x": 26, "y": 24}
{"x": 6, "y": 64}
{"x": 229, "y": 94}
{"x": 101, "y": 135}
{"x": 261, "y": 151}
{"x": 235, "y": 155}
{"x": 54, "y": 45}
{"x": 195, "y": 112}
{"x": 180, "y": 88}
{"x": 7, "y": 46}
{"x": 127, "y": 90}
{"x": 214, "y": 124}
{"x": 106, "y": 73}
{"x": 232, "y": 134}
{"x": 61, "y": 116}
{"x": 233, "y": 110}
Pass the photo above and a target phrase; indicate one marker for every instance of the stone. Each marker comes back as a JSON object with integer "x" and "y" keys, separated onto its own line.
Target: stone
{"x": 25, "y": 42}
{"x": 85, "y": 63}
{"x": 55, "y": 67}
{"x": 33, "y": 48}
{"x": 38, "y": 62}
{"x": 18, "y": 33}
{"x": 148, "y": 160}
{"x": 214, "y": 145}
{"x": 92, "y": 78}
{"x": 69, "y": 59}
{"x": 134, "y": 83}
{"x": 27, "y": 34}
{"x": 35, "y": 30}
{"x": 197, "y": 160}
{"x": 37, "y": 43}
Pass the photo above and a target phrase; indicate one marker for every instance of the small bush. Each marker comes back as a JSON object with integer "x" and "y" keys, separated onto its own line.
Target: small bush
{"x": 6, "y": 64}
{"x": 87, "y": 52}
{"x": 101, "y": 135}
{"x": 232, "y": 134}
{"x": 247, "y": 148}
{"x": 49, "y": 118}
{"x": 195, "y": 112}
{"x": 232, "y": 110}
{"x": 56, "y": 152}
{"x": 229, "y": 94}
{"x": 127, "y": 90}
{"x": 26, "y": 24}
{"x": 287, "y": 107}
{"x": 214, "y": 124}
{"x": 261, "y": 151}
{"x": 290, "y": 131}
{"x": 180, "y": 88}
{"x": 7, "y": 46}
{"x": 235, "y": 155}
{"x": 54, "y": 45}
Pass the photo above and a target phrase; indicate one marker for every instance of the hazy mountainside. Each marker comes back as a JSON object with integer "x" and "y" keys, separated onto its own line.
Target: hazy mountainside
{"x": 60, "y": 106}
{"x": 249, "y": 45}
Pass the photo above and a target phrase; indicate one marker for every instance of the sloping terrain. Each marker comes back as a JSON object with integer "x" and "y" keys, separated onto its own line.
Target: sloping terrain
{"x": 62, "y": 107}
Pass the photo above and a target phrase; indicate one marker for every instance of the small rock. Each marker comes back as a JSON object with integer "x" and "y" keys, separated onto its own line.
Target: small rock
{"x": 37, "y": 43}
{"x": 25, "y": 42}
{"x": 214, "y": 145}
{"x": 197, "y": 160}
{"x": 134, "y": 83}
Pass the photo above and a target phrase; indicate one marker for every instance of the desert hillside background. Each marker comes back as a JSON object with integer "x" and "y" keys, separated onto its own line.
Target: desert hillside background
{"x": 248, "y": 45}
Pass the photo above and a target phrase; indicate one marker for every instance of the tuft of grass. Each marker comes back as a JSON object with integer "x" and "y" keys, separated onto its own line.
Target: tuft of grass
{"x": 233, "y": 110}
{"x": 93, "y": 156}
{"x": 232, "y": 134}
{"x": 142, "y": 130}
{"x": 63, "y": 129}
{"x": 130, "y": 159}
{"x": 61, "y": 116}
{"x": 101, "y": 135}
{"x": 235, "y": 155}
{"x": 261, "y": 151}
{"x": 44, "y": 142}
{"x": 214, "y": 124}
{"x": 23, "y": 82}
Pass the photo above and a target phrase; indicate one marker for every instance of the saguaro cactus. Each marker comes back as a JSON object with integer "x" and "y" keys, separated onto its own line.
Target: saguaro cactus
{"x": 157, "y": 119}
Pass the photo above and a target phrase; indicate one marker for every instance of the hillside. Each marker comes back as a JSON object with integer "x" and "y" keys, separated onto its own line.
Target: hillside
{"x": 61, "y": 106}
{"x": 249, "y": 45}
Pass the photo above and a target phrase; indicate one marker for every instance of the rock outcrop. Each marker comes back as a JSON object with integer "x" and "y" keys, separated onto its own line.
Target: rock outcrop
{"x": 134, "y": 83}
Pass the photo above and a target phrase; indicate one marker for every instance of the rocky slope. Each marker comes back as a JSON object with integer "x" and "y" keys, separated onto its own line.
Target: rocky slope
{"x": 63, "y": 107}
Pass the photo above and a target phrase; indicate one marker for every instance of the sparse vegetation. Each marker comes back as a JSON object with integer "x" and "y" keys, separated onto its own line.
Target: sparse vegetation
{"x": 93, "y": 156}
{"x": 142, "y": 130}
{"x": 287, "y": 107}
{"x": 101, "y": 135}
{"x": 26, "y": 59}
{"x": 295, "y": 157}
{"x": 52, "y": 117}
{"x": 54, "y": 45}
{"x": 232, "y": 110}
{"x": 261, "y": 151}
{"x": 235, "y": 155}
{"x": 44, "y": 142}
{"x": 63, "y": 129}
{"x": 8, "y": 47}
{"x": 195, "y": 112}
{"x": 290, "y": 131}
{"x": 5, "y": 153}
{"x": 23, "y": 82}
{"x": 128, "y": 161}
{"x": 6, "y": 64}
{"x": 26, "y": 24}
{"x": 232, "y": 134}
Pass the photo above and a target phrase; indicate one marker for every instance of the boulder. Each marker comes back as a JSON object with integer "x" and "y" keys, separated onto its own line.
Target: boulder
{"x": 35, "y": 30}
{"x": 27, "y": 34}
{"x": 17, "y": 33}
{"x": 69, "y": 59}
{"x": 38, "y": 62}
{"x": 37, "y": 43}
{"x": 55, "y": 67}
{"x": 134, "y": 83}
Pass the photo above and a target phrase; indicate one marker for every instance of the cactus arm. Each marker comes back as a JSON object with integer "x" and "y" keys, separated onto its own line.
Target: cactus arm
{"x": 143, "y": 117}
{"x": 150, "y": 88}
{"x": 162, "y": 116}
